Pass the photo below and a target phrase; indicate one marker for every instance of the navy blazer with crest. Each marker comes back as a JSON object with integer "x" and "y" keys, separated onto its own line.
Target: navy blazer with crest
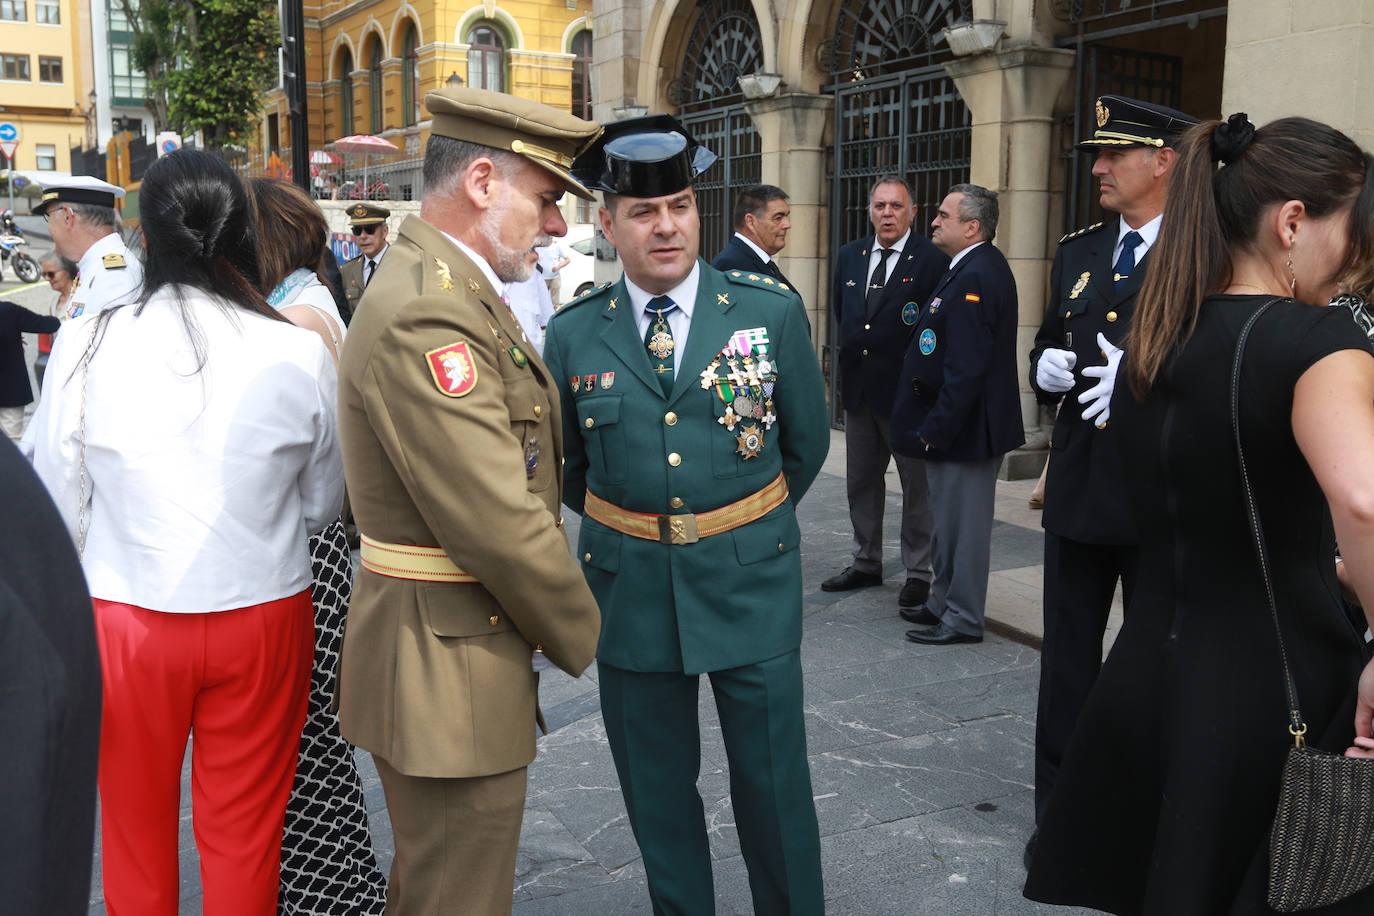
{"x": 872, "y": 346}
{"x": 958, "y": 389}
{"x": 1085, "y": 494}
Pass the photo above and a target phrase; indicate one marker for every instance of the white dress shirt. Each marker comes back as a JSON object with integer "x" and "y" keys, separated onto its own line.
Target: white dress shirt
{"x": 764, "y": 256}
{"x": 1148, "y": 233}
{"x": 679, "y": 319}
{"x": 532, "y": 306}
{"x": 873, "y": 258}
{"x": 202, "y": 483}
{"x": 98, "y": 287}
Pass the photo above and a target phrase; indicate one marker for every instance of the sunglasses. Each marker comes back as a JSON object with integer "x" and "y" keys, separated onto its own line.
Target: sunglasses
{"x": 366, "y": 230}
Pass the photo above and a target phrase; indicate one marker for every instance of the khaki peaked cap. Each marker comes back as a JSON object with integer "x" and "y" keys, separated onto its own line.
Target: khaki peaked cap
{"x": 546, "y": 136}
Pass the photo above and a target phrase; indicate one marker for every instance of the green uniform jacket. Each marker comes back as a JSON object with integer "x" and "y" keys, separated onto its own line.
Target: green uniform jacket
{"x": 461, "y": 454}
{"x": 731, "y": 599}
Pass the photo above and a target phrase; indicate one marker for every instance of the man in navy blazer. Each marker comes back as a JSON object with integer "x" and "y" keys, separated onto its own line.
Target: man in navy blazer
{"x": 957, "y": 406}
{"x": 761, "y": 219}
{"x": 879, "y": 285}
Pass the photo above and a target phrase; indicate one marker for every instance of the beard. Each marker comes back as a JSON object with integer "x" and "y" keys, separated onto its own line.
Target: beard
{"x": 512, "y": 265}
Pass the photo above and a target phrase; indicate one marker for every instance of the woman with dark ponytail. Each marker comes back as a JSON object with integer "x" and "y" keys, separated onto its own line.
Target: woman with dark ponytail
{"x": 189, "y": 439}
{"x": 1171, "y": 782}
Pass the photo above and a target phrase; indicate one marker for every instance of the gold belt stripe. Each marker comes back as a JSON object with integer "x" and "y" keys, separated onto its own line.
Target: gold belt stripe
{"x": 717, "y": 521}
{"x": 410, "y": 561}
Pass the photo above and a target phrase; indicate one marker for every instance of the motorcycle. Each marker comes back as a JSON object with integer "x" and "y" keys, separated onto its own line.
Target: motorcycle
{"x": 25, "y": 267}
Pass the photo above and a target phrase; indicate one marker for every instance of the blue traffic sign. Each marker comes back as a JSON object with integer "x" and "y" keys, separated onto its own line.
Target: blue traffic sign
{"x": 19, "y": 182}
{"x": 9, "y": 130}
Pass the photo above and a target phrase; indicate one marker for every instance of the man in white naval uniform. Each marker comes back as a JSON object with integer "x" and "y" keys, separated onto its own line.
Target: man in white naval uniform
{"x": 85, "y": 228}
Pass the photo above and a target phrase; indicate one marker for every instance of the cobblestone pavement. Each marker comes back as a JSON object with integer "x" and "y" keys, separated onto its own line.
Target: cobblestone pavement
{"x": 921, "y": 757}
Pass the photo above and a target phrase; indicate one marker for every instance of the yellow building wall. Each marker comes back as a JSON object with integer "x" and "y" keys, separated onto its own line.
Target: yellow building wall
{"x": 46, "y": 113}
{"x": 537, "y": 65}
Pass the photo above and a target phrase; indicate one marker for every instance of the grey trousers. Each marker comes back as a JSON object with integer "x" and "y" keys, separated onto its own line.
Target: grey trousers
{"x": 961, "y": 501}
{"x": 867, "y": 450}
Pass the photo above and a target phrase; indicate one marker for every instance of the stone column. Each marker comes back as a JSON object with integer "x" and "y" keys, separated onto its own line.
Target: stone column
{"x": 1011, "y": 96}
{"x": 1279, "y": 52}
{"x": 617, "y": 42}
{"x": 791, "y": 128}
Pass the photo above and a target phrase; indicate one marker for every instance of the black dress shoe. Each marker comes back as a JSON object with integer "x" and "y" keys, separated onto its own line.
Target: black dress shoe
{"x": 920, "y": 616}
{"x": 850, "y": 579}
{"x": 914, "y": 593}
{"x": 1029, "y": 855}
{"x": 940, "y": 635}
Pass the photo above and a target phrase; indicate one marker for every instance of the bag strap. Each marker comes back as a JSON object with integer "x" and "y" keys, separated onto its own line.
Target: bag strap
{"x": 1296, "y": 726}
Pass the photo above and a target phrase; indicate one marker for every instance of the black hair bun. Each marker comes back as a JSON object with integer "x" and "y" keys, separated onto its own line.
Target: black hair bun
{"x": 1231, "y": 139}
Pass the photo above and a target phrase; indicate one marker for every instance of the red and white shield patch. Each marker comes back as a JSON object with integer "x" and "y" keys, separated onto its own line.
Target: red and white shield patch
{"x": 453, "y": 369}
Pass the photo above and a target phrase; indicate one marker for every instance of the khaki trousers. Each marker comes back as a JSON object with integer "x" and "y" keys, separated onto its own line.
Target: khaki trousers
{"x": 455, "y": 842}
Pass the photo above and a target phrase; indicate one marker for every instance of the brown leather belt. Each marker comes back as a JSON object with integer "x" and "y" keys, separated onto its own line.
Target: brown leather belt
{"x": 688, "y": 528}
{"x": 409, "y": 561}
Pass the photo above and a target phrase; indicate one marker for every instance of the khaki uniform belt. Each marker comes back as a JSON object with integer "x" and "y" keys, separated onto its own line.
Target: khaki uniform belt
{"x": 688, "y": 528}
{"x": 410, "y": 561}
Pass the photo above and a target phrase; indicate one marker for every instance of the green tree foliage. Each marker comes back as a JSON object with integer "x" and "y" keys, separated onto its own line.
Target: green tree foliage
{"x": 207, "y": 62}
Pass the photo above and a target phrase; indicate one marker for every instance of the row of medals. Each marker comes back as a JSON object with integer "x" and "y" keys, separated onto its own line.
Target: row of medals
{"x": 747, "y": 393}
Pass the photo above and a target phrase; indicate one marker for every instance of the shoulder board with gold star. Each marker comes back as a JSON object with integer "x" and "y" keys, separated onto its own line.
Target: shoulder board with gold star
{"x": 113, "y": 261}
{"x": 758, "y": 281}
{"x": 590, "y": 295}
{"x": 1084, "y": 231}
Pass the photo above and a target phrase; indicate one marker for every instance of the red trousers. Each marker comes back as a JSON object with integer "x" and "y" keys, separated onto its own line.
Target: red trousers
{"x": 237, "y": 681}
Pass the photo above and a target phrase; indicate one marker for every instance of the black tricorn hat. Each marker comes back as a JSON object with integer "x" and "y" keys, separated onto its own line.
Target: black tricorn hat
{"x": 643, "y": 157}
{"x": 1124, "y": 122}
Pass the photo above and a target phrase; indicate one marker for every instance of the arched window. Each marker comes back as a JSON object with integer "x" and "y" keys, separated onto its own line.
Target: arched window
{"x": 374, "y": 79}
{"x": 582, "y": 74}
{"x": 410, "y": 77}
{"x": 346, "y": 95}
{"x": 486, "y": 57}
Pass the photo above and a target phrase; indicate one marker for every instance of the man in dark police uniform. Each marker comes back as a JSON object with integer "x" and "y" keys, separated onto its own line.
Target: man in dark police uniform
{"x": 694, "y": 420}
{"x": 1090, "y": 539}
{"x": 959, "y": 407}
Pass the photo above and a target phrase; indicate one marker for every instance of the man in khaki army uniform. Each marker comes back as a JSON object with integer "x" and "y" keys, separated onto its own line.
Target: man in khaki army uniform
{"x": 695, "y": 421}
{"x": 370, "y": 230}
{"x": 451, "y": 442}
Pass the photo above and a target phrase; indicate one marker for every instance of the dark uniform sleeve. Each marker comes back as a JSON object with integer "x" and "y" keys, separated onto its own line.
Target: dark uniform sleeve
{"x": 972, "y": 331}
{"x": 1051, "y": 333}
{"x": 805, "y": 438}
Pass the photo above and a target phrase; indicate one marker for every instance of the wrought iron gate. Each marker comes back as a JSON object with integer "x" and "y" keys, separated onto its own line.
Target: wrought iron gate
{"x": 723, "y": 45}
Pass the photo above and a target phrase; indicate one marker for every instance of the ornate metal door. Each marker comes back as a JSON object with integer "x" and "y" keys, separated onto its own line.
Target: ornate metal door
{"x": 896, "y": 112}
{"x": 723, "y": 45}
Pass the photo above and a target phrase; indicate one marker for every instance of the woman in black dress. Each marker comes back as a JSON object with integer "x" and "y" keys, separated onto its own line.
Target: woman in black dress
{"x": 1171, "y": 781}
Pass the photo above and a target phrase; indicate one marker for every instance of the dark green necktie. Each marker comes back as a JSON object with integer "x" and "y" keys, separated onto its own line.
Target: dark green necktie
{"x": 659, "y": 340}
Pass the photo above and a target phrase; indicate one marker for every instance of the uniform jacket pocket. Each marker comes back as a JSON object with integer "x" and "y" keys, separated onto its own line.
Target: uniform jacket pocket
{"x": 771, "y": 536}
{"x": 599, "y": 418}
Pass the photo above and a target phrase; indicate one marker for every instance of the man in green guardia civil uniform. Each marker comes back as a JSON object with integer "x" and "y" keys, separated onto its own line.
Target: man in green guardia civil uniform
{"x": 694, "y": 421}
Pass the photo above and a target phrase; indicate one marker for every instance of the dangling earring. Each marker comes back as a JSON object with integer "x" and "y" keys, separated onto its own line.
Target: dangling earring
{"x": 1292, "y": 278}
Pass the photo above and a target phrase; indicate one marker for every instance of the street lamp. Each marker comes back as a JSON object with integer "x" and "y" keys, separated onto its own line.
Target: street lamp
{"x": 454, "y": 81}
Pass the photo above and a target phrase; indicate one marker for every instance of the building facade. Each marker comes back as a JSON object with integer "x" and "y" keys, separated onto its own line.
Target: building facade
{"x": 821, "y": 97}
{"x": 369, "y": 65}
{"x": 44, "y": 46}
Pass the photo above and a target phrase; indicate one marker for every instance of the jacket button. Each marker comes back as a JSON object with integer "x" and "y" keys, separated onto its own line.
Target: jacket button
{"x": 867, "y": 327}
{"x": 865, "y": 353}
{"x": 675, "y": 502}
{"x": 539, "y": 647}
{"x": 1111, "y": 316}
{"x": 590, "y": 423}
{"x": 539, "y": 411}
{"x": 1068, "y": 314}
{"x": 586, "y": 558}
{"x": 495, "y": 620}
{"x": 674, "y": 459}
{"x": 780, "y": 547}
{"x": 670, "y": 418}
{"x": 559, "y": 523}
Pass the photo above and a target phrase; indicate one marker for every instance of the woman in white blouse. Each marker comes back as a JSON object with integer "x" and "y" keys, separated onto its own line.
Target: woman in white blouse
{"x": 328, "y": 865}
{"x": 189, "y": 440}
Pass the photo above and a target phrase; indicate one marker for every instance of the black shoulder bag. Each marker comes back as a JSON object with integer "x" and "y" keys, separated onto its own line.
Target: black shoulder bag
{"x": 1321, "y": 846}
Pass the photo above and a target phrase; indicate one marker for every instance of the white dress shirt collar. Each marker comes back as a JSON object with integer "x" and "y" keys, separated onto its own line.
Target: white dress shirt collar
{"x": 684, "y": 294}
{"x": 873, "y": 255}
{"x": 763, "y": 255}
{"x": 1148, "y": 233}
{"x": 481, "y": 263}
{"x": 960, "y": 256}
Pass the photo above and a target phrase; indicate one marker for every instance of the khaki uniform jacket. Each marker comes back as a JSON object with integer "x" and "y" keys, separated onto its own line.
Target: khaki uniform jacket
{"x": 352, "y": 273}
{"x": 435, "y": 677}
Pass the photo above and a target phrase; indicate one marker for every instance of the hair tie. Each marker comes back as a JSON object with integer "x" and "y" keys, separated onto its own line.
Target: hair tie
{"x": 1232, "y": 138}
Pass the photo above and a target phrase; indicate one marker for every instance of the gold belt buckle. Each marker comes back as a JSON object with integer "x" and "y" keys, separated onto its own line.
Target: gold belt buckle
{"x": 677, "y": 529}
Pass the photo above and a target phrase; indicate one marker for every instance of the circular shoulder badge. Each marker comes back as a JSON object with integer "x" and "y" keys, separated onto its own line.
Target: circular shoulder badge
{"x": 927, "y": 342}
{"x": 909, "y": 313}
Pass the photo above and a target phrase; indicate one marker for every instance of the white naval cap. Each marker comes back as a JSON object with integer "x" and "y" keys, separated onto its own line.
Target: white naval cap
{"x": 79, "y": 189}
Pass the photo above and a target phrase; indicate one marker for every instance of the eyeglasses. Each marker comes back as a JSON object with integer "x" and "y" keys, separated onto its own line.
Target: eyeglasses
{"x": 47, "y": 214}
{"x": 366, "y": 230}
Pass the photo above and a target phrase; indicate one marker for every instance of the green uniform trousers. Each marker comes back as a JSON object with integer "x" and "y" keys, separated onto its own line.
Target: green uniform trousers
{"x": 651, "y": 724}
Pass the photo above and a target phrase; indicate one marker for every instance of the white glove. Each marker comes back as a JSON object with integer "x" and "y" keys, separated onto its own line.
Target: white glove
{"x": 1054, "y": 371}
{"x": 1100, "y": 395}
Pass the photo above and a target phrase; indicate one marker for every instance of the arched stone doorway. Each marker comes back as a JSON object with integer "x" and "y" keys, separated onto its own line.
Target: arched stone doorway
{"x": 723, "y": 44}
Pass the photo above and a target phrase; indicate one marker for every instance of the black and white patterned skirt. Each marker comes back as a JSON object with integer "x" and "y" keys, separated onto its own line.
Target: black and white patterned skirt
{"x": 327, "y": 863}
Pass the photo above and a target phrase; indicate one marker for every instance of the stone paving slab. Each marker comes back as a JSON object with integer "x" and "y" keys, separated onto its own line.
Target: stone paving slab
{"x": 921, "y": 756}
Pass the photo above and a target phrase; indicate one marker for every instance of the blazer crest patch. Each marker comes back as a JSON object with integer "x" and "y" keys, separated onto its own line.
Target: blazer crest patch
{"x": 453, "y": 369}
